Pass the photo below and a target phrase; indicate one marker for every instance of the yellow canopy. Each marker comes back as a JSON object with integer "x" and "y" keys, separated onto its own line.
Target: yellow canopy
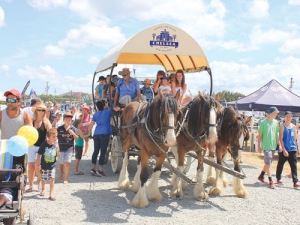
{"x": 162, "y": 44}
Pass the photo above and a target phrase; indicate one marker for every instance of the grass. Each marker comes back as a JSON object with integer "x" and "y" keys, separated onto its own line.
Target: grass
{"x": 257, "y": 160}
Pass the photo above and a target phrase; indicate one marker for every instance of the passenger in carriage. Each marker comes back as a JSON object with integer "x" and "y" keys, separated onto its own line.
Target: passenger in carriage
{"x": 164, "y": 87}
{"x": 127, "y": 89}
{"x": 171, "y": 78}
{"x": 180, "y": 85}
{"x": 160, "y": 74}
{"x": 112, "y": 87}
{"x": 99, "y": 87}
{"x": 146, "y": 89}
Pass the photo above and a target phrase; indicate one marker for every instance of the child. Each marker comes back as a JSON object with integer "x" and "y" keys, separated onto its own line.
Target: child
{"x": 99, "y": 87}
{"x": 146, "y": 90}
{"x": 164, "y": 87}
{"x": 78, "y": 151}
{"x": 46, "y": 161}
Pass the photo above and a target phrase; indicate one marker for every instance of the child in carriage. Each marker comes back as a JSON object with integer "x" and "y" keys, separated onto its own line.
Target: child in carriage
{"x": 165, "y": 86}
{"x": 146, "y": 89}
{"x": 46, "y": 161}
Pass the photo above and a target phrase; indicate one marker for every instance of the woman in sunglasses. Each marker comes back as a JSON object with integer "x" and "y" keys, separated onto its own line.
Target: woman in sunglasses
{"x": 42, "y": 124}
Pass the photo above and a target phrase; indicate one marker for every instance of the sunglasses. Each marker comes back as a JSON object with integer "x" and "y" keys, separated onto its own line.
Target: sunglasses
{"x": 11, "y": 100}
{"x": 41, "y": 110}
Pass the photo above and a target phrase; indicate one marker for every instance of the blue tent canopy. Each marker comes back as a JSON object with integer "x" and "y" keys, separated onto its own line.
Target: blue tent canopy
{"x": 271, "y": 94}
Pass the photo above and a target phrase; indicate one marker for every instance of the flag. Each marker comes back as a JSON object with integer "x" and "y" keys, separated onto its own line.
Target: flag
{"x": 32, "y": 94}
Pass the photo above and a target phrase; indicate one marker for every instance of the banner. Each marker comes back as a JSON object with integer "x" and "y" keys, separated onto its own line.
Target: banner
{"x": 32, "y": 94}
{"x": 86, "y": 98}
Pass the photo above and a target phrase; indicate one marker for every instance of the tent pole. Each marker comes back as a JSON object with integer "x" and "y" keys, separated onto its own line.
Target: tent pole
{"x": 211, "y": 81}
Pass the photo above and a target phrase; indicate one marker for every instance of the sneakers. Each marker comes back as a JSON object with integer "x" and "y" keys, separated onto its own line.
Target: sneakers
{"x": 279, "y": 182}
{"x": 93, "y": 172}
{"x": 272, "y": 185}
{"x": 100, "y": 174}
{"x": 262, "y": 179}
{"x": 296, "y": 185}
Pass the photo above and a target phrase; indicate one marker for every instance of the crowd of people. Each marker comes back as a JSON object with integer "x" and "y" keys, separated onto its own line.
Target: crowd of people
{"x": 63, "y": 136}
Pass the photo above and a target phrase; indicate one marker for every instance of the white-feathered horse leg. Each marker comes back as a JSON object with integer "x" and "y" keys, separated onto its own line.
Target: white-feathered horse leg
{"x": 123, "y": 181}
{"x": 136, "y": 180}
{"x": 140, "y": 200}
{"x": 239, "y": 188}
{"x": 175, "y": 153}
{"x": 199, "y": 192}
{"x": 153, "y": 192}
{"x": 218, "y": 186}
{"x": 177, "y": 187}
{"x": 211, "y": 175}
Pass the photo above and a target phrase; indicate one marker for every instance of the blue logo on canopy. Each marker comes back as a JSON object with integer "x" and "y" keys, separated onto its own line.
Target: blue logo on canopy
{"x": 164, "y": 39}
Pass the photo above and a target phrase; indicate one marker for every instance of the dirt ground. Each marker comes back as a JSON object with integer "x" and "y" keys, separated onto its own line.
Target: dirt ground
{"x": 257, "y": 160}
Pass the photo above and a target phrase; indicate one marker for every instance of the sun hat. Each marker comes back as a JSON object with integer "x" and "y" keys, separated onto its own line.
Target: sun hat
{"x": 13, "y": 92}
{"x": 85, "y": 107}
{"x": 147, "y": 81}
{"x": 124, "y": 71}
{"x": 68, "y": 115}
{"x": 273, "y": 110}
{"x": 288, "y": 112}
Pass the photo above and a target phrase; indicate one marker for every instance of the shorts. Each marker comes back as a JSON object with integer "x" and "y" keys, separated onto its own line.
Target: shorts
{"x": 48, "y": 174}
{"x": 8, "y": 196}
{"x": 268, "y": 156}
{"x": 65, "y": 156}
{"x": 32, "y": 153}
{"x": 78, "y": 152}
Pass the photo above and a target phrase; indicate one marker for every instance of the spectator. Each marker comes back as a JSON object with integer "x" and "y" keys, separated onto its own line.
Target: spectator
{"x": 99, "y": 87}
{"x": 180, "y": 85}
{"x": 51, "y": 114}
{"x": 101, "y": 135}
{"x": 46, "y": 161}
{"x": 268, "y": 136}
{"x": 42, "y": 124}
{"x": 287, "y": 140}
{"x": 78, "y": 151}
{"x": 86, "y": 119}
{"x": 58, "y": 120}
{"x": 146, "y": 89}
{"x": 33, "y": 102}
{"x": 160, "y": 74}
{"x": 66, "y": 136}
{"x": 127, "y": 90}
{"x": 164, "y": 87}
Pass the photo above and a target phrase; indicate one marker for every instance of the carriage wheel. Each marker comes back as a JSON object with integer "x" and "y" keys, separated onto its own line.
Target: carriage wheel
{"x": 108, "y": 151}
{"x": 116, "y": 157}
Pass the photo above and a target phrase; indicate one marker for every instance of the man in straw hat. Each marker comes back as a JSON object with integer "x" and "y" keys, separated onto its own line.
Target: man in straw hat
{"x": 127, "y": 89}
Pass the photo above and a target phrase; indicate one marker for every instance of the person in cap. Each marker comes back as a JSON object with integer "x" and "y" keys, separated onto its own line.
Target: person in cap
{"x": 51, "y": 114}
{"x": 99, "y": 87}
{"x": 165, "y": 86}
{"x": 288, "y": 150}
{"x": 86, "y": 119}
{"x": 41, "y": 124}
{"x": 66, "y": 136}
{"x": 58, "y": 121}
{"x": 127, "y": 90}
{"x": 267, "y": 141}
{"x": 146, "y": 89}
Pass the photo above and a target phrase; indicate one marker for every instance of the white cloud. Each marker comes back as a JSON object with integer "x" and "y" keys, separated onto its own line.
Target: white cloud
{"x": 2, "y": 16}
{"x": 93, "y": 60}
{"x": 94, "y": 33}
{"x": 4, "y": 67}
{"x": 47, "y": 4}
{"x": 259, "y": 9}
{"x": 294, "y": 2}
{"x": 291, "y": 46}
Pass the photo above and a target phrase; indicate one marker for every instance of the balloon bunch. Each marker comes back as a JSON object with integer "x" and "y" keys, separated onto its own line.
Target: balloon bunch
{"x": 18, "y": 144}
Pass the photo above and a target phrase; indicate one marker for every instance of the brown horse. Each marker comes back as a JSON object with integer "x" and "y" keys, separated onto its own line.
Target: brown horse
{"x": 152, "y": 129}
{"x": 232, "y": 132}
{"x": 198, "y": 130}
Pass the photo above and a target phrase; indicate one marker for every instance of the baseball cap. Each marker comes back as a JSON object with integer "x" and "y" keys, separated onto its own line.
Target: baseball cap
{"x": 68, "y": 115}
{"x": 13, "y": 92}
{"x": 273, "y": 110}
{"x": 288, "y": 112}
{"x": 101, "y": 78}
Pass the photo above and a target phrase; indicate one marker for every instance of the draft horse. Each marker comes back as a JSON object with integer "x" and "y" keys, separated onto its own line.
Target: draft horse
{"x": 151, "y": 128}
{"x": 198, "y": 129}
{"x": 232, "y": 132}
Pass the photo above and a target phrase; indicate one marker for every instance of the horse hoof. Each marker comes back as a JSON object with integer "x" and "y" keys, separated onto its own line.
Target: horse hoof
{"x": 210, "y": 180}
{"x": 242, "y": 194}
{"x": 215, "y": 191}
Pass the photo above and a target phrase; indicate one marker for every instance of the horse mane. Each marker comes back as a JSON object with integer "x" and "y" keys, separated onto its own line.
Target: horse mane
{"x": 232, "y": 126}
{"x": 159, "y": 109}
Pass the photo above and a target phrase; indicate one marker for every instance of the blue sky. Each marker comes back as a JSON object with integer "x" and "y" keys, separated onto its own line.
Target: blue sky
{"x": 247, "y": 42}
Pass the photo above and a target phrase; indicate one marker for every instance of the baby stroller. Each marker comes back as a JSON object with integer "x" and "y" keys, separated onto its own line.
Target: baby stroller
{"x": 13, "y": 179}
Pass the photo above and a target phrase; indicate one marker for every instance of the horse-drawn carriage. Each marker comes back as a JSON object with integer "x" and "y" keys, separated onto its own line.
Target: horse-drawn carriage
{"x": 150, "y": 129}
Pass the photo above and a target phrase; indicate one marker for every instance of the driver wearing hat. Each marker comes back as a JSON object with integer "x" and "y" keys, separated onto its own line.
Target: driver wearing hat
{"x": 127, "y": 90}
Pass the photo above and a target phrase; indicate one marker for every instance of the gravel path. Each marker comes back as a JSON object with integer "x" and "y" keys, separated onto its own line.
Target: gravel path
{"x": 93, "y": 200}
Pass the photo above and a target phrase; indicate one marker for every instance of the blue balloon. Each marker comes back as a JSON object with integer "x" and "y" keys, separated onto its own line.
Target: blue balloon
{"x": 17, "y": 145}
